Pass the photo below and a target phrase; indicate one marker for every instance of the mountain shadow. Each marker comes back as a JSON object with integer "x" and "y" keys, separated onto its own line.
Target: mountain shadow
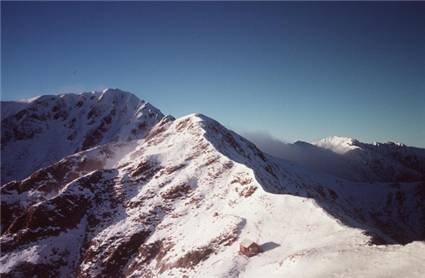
{"x": 390, "y": 213}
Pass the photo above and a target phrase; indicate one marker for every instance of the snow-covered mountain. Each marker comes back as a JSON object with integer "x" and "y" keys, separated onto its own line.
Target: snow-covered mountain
{"x": 379, "y": 161}
{"x": 351, "y": 159}
{"x": 178, "y": 202}
{"x": 40, "y": 131}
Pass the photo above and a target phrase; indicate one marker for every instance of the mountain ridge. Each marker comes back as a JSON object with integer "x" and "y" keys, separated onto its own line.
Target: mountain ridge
{"x": 178, "y": 200}
{"x": 50, "y": 127}
{"x": 350, "y": 158}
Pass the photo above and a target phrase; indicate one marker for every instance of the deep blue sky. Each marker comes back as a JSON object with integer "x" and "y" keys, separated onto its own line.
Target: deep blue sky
{"x": 295, "y": 70}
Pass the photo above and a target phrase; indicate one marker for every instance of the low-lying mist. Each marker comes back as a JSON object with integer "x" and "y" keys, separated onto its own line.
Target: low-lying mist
{"x": 305, "y": 154}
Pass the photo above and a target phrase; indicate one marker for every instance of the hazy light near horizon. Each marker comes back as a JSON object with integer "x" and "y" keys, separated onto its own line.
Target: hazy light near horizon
{"x": 299, "y": 71}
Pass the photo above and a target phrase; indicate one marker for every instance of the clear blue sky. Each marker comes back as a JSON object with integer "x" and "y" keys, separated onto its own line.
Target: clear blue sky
{"x": 295, "y": 70}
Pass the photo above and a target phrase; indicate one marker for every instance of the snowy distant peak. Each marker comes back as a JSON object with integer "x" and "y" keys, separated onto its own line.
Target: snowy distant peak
{"x": 355, "y": 160}
{"x": 342, "y": 145}
{"x": 118, "y": 95}
{"x": 106, "y": 94}
{"x": 49, "y": 127}
{"x": 338, "y": 144}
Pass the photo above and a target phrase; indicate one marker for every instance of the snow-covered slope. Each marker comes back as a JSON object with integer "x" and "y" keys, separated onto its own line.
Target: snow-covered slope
{"x": 379, "y": 161}
{"x": 351, "y": 159}
{"x": 40, "y": 131}
{"x": 178, "y": 202}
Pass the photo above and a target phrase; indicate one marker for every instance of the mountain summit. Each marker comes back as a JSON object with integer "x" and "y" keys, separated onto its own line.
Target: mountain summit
{"x": 44, "y": 129}
{"x": 176, "y": 198}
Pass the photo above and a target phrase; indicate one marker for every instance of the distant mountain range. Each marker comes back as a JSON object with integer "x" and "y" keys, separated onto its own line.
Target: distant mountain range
{"x": 103, "y": 184}
{"x": 351, "y": 159}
